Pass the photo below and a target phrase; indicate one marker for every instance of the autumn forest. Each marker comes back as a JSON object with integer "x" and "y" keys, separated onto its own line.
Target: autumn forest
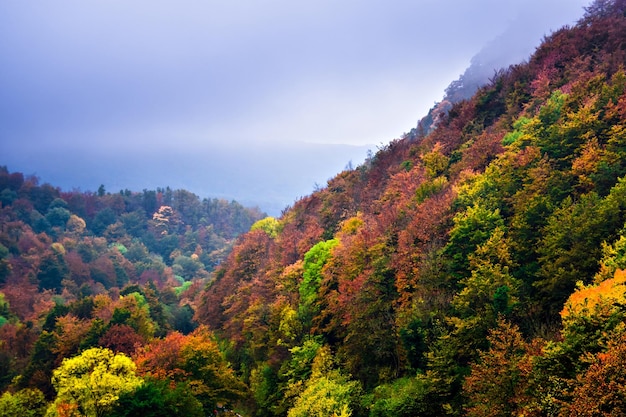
{"x": 474, "y": 267}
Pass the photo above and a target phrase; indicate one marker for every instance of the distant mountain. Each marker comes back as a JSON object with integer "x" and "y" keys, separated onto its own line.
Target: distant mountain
{"x": 256, "y": 175}
{"x": 511, "y": 47}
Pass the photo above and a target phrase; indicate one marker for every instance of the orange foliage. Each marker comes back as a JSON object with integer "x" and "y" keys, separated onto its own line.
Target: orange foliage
{"x": 161, "y": 357}
{"x": 600, "y": 299}
{"x": 601, "y": 390}
{"x": 70, "y": 332}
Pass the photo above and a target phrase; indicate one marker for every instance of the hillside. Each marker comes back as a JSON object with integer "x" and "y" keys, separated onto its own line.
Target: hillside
{"x": 82, "y": 269}
{"x": 472, "y": 271}
{"x": 477, "y": 268}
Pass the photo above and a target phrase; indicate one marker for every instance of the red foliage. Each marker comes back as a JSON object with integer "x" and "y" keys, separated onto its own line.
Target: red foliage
{"x": 121, "y": 338}
{"x": 161, "y": 357}
{"x": 21, "y": 293}
{"x": 79, "y": 270}
{"x": 248, "y": 260}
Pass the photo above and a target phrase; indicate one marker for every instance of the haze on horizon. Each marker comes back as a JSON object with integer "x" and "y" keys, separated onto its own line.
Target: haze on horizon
{"x": 213, "y": 96}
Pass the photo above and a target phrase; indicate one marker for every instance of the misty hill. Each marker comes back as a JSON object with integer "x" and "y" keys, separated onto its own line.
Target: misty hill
{"x": 513, "y": 46}
{"x": 252, "y": 175}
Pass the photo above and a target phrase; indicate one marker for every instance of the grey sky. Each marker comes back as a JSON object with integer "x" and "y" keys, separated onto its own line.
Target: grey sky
{"x": 205, "y": 71}
{"x": 203, "y": 94}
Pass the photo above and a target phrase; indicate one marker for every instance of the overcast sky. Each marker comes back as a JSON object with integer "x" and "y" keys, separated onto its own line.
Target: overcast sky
{"x": 196, "y": 75}
{"x": 203, "y": 71}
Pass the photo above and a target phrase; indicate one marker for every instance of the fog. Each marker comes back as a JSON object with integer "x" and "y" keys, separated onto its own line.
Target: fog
{"x": 257, "y": 101}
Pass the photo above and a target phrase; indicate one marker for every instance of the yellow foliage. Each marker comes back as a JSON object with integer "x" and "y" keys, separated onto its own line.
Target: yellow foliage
{"x": 351, "y": 226}
{"x": 435, "y": 161}
{"x": 58, "y": 248}
{"x": 92, "y": 382}
{"x": 269, "y": 225}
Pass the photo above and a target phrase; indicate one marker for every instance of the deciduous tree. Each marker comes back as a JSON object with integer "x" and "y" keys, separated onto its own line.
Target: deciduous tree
{"x": 93, "y": 381}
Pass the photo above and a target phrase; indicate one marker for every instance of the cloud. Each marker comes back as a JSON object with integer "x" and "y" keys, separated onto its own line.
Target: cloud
{"x": 200, "y": 75}
{"x": 323, "y": 69}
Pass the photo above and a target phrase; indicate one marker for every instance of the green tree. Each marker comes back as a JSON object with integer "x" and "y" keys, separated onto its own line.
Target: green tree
{"x": 314, "y": 261}
{"x": 52, "y": 270}
{"x": 157, "y": 398}
{"x": 58, "y": 217}
{"x": 490, "y": 290}
{"x": 405, "y": 397}
{"x": 92, "y": 382}
{"x": 24, "y": 403}
{"x": 5, "y": 266}
{"x": 472, "y": 228}
{"x": 572, "y": 245}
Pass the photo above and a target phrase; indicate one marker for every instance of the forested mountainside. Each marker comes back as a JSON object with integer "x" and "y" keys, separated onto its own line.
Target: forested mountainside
{"x": 478, "y": 270}
{"x": 473, "y": 271}
{"x": 82, "y": 270}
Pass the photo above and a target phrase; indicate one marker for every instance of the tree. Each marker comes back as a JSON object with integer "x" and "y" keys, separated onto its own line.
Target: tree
{"x": 194, "y": 359}
{"x": 158, "y": 398}
{"x": 572, "y": 245}
{"x": 499, "y": 379}
{"x": 52, "y": 270}
{"x": 601, "y": 389}
{"x": 269, "y": 225}
{"x": 24, "y": 403}
{"x": 92, "y": 382}
{"x": 490, "y": 290}
{"x": 121, "y": 338}
{"x": 405, "y": 397}
{"x": 472, "y": 228}
{"x": 328, "y": 392}
{"x": 314, "y": 261}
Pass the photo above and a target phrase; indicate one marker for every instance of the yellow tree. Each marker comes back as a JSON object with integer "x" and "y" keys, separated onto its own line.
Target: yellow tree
{"x": 328, "y": 392}
{"x": 91, "y": 383}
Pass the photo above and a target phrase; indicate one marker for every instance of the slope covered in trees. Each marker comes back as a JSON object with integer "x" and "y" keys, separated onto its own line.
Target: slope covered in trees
{"x": 100, "y": 275}
{"x": 478, "y": 270}
{"x": 473, "y": 271}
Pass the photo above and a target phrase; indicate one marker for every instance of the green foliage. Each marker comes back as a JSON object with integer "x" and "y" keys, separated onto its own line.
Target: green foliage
{"x": 300, "y": 366}
{"x": 188, "y": 267}
{"x": 264, "y": 385}
{"x": 52, "y": 271}
{"x": 156, "y": 398}
{"x": 328, "y": 392}
{"x": 429, "y": 188}
{"x": 58, "y": 216}
{"x": 472, "y": 228}
{"x": 414, "y": 342}
{"x": 518, "y": 134}
{"x": 407, "y": 165}
{"x": 314, "y": 261}
{"x": 103, "y": 219}
{"x": 405, "y": 397}
{"x": 24, "y": 403}
{"x": 571, "y": 244}
{"x": 491, "y": 289}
